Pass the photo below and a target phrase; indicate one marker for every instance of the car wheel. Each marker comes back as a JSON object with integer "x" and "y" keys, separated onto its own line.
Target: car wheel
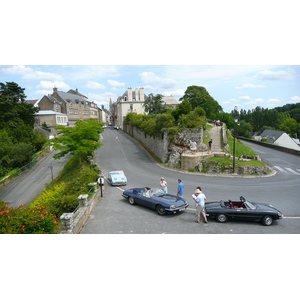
{"x": 131, "y": 201}
{"x": 160, "y": 210}
{"x": 222, "y": 218}
{"x": 267, "y": 220}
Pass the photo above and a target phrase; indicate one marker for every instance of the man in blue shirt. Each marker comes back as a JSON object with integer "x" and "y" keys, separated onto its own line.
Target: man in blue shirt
{"x": 180, "y": 189}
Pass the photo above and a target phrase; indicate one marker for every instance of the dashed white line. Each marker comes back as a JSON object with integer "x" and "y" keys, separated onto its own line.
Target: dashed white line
{"x": 293, "y": 171}
{"x": 280, "y": 169}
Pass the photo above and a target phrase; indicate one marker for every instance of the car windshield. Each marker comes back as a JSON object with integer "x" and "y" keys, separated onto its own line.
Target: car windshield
{"x": 156, "y": 192}
{"x": 249, "y": 205}
{"x": 117, "y": 173}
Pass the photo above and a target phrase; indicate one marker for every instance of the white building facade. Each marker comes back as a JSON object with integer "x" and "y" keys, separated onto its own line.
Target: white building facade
{"x": 130, "y": 102}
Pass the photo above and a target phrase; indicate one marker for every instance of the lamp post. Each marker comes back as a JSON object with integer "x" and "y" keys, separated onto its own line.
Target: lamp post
{"x": 234, "y": 136}
{"x": 51, "y": 168}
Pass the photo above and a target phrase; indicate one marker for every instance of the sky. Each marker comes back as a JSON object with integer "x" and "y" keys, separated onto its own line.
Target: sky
{"x": 245, "y": 53}
{"x": 246, "y": 87}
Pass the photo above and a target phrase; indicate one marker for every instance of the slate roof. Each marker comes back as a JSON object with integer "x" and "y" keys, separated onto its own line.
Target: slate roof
{"x": 271, "y": 135}
{"x": 76, "y": 92}
{"x": 170, "y": 100}
{"x": 71, "y": 97}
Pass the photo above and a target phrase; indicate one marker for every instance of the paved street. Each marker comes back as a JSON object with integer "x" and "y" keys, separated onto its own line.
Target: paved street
{"x": 113, "y": 214}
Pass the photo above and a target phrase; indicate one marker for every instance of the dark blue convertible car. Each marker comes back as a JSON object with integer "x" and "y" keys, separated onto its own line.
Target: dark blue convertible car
{"x": 155, "y": 198}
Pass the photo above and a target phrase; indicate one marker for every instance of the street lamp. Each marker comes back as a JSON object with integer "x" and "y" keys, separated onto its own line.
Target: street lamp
{"x": 51, "y": 168}
{"x": 234, "y": 135}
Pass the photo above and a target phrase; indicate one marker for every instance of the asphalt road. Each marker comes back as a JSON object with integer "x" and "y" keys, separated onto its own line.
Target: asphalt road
{"x": 31, "y": 183}
{"x": 113, "y": 214}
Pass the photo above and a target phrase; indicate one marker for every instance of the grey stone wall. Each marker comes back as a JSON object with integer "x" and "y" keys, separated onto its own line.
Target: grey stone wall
{"x": 169, "y": 151}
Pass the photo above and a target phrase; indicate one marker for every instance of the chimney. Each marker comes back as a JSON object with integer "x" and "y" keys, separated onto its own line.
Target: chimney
{"x": 54, "y": 90}
{"x": 129, "y": 94}
{"x": 137, "y": 94}
{"x": 142, "y": 95}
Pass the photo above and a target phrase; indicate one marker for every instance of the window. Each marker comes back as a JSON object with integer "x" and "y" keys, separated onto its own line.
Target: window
{"x": 73, "y": 111}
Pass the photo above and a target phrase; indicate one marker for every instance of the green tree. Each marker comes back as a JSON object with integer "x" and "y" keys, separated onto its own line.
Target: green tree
{"x": 243, "y": 128}
{"x": 198, "y": 96}
{"x": 154, "y": 104}
{"x": 80, "y": 140}
{"x": 290, "y": 126}
{"x": 192, "y": 120}
{"x": 14, "y": 109}
{"x": 182, "y": 108}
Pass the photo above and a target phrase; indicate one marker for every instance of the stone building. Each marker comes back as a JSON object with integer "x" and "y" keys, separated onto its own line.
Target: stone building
{"x": 51, "y": 118}
{"x": 72, "y": 103}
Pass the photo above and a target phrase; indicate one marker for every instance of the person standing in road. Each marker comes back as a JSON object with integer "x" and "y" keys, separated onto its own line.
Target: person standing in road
{"x": 209, "y": 146}
{"x": 200, "y": 201}
{"x": 180, "y": 188}
{"x": 194, "y": 195}
{"x": 163, "y": 184}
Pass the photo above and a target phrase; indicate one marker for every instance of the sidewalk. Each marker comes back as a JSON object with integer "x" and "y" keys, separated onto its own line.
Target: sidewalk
{"x": 215, "y": 135}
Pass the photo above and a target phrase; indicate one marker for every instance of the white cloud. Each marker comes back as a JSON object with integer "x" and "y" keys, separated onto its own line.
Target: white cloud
{"x": 273, "y": 100}
{"x": 269, "y": 75}
{"x": 95, "y": 85}
{"x": 152, "y": 78}
{"x": 296, "y": 99}
{"x": 28, "y": 73}
{"x": 245, "y": 98}
{"x": 176, "y": 93}
{"x": 249, "y": 86}
{"x": 255, "y": 101}
{"x": 87, "y": 72}
{"x": 115, "y": 83}
{"x": 46, "y": 87}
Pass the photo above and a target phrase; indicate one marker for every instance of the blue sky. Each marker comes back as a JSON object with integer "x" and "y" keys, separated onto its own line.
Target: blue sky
{"x": 243, "y": 86}
{"x": 245, "y": 53}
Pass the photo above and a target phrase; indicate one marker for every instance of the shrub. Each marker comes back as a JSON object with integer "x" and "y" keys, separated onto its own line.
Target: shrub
{"x": 28, "y": 220}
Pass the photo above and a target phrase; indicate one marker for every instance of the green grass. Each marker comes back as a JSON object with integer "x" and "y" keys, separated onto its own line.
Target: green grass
{"x": 240, "y": 148}
{"x": 226, "y": 161}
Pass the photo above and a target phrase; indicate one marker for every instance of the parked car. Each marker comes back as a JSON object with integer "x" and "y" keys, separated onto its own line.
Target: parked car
{"x": 156, "y": 199}
{"x": 117, "y": 178}
{"x": 242, "y": 210}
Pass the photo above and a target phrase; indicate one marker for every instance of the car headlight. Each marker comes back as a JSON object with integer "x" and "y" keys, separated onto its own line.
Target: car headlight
{"x": 172, "y": 207}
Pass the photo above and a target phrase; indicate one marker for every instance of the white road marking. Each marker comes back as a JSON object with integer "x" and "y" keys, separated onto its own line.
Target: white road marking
{"x": 280, "y": 169}
{"x": 293, "y": 171}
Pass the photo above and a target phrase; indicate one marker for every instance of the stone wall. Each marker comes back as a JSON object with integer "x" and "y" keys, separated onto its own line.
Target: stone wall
{"x": 166, "y": 150}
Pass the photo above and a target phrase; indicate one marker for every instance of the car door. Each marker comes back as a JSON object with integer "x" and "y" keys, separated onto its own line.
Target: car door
{"x": 243, "y": 214}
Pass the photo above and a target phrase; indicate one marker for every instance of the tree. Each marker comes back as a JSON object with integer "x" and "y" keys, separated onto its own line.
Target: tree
{"x": 198, "y": 96}
{"x": 290, "y": 126}
{"x": 79, "y": 141}
{"x": 182, "y": 108}
{"x": 14, "y": 109}
{"x": 243, "y": 129}
{"x": 154, "y": 104}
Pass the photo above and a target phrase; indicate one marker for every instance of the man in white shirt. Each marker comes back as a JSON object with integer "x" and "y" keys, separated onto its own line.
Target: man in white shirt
{"x": 200, "y": 201}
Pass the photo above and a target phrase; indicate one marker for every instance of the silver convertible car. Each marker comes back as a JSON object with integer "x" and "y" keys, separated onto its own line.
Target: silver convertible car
{"x": 155, "y": 198}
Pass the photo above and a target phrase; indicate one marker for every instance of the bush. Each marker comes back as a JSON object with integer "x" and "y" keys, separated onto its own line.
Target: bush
{"x": 27, "y": 220}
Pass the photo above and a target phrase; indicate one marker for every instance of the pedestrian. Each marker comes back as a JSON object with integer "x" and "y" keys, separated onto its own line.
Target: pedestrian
{"x": 200, "y": 200}
{"x": 194, "y": 195}
{"x": 180, "y": 188}
{"x": 164, "y": 185}
{"x": 209, "y": 145}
